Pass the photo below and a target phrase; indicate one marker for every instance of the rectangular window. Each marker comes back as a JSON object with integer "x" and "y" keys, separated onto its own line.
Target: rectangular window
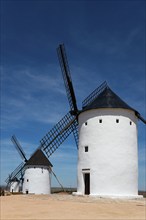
{"x": 86, "y": 148}
{"x": 100, "y": 120}
{"x": 117, "y": 120}
{"x": 86, "y": 123}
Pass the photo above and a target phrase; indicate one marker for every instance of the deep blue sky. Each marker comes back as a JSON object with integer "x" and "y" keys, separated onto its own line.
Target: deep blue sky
{"x": 104, "y": 40}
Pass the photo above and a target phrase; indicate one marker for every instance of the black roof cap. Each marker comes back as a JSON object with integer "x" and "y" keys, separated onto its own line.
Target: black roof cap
{"x": 38, "y": 158}
{"x": 108, "y": 99}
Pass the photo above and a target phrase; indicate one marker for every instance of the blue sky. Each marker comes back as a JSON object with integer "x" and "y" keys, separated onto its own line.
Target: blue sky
{"x": 104, "y": 40}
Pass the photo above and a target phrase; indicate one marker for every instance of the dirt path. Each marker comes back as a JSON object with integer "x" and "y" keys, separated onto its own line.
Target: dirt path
{"x": 60, "y": 206}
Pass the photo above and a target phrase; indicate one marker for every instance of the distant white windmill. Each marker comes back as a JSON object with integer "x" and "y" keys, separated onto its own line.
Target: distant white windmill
{"x": 35, "y": 173}
{"x": 14, "y": 185}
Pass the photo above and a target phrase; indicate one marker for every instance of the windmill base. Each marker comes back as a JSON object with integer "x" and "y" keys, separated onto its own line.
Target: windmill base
{"x": 110, "y": 196}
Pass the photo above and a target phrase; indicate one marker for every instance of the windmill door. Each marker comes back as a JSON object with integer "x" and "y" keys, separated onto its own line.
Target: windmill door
{"x": 87, "y": 183}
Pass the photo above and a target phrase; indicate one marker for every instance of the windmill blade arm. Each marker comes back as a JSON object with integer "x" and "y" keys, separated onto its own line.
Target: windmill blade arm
{"x": 141, "y": 118}
{"x": 58, "y": 134}
{"x": 67, "y": 77}
{"x": 75, "y": 132}
{"x": 57, "y": 180}
{"x": 18, "y": 148}
{"x": 94, "y": 94}
{"x": 16, "y": 172}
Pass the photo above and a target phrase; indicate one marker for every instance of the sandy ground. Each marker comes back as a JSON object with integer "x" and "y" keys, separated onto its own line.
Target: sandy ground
{"x": 63, "y": 206}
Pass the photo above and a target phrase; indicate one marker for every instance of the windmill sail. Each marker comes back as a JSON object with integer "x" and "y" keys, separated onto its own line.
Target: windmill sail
{"x": 94, "y": 94}
{"x": 141, "y": 118}
{"x": 75, "y": 132}
{"x": 69, "y": 87}
{"x": 67, "y": 77}
{"x": 58, "y": 134}
{"x": 18, "y": 148}
{"x": 8, "y": 180}
{"x": 16, "y": 173}
{"x": 19, "y": 171}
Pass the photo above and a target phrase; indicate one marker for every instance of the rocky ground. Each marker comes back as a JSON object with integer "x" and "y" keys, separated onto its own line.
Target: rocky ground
{"x": 65, "y": 206}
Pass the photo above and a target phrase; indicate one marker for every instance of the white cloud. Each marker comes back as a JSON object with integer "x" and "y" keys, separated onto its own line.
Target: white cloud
{"x": 30, "y": 95}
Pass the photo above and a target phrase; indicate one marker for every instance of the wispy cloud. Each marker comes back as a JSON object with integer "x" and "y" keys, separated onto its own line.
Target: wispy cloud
{"x": 31, "y": 96}
{"x": 110, "y": 43}
{"x": 9, "y": 154}
{"x": 30, "y": 79}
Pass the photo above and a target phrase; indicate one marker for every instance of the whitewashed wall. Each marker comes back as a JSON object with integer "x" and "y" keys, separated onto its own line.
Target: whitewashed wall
{"x": 112, "y": 157}
{"x": 37, "y": 180}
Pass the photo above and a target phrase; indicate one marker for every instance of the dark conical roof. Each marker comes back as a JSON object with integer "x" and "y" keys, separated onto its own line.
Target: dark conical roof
{"x": 107, "y": 99}
{"x": 38, "y": 158}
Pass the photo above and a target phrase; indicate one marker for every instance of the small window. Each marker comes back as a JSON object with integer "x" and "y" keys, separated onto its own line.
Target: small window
{"x": 86, "y": 123}
{"x": 117, "y": 120}
{"x": 130, "y": 122}
{"x": 86, "y": 148}
{"x": 27, "y": 180}
{"x": 100, "y": 120}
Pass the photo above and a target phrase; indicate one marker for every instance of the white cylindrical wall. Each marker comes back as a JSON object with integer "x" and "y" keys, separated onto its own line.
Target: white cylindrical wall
{"x": 112, "y": 159}
{"x": 14, "y": 187}
{"x": 37, "y": 180}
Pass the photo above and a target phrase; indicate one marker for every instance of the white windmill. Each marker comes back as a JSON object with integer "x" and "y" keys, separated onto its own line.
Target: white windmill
{"x": 107, "y": 156}
{"x": 107, "y": 147}
{"x": 35, "y": 173}
{"x": 13, "y": 184}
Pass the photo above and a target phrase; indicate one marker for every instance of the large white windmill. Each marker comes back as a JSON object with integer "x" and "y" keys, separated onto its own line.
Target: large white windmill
{"x": 107, "y": 156}
{"x": 107, "y": 147}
